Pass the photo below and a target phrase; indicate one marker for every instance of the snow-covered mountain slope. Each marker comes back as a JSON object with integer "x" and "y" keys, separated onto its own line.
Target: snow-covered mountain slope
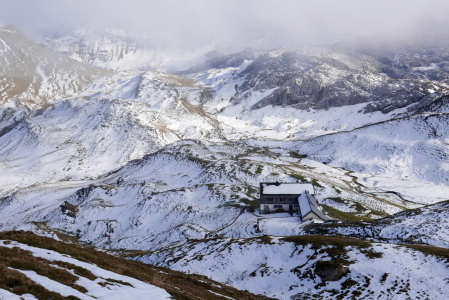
{"x": 32, "y": 74}
{"x": 413, "y": 148}
{"x": 106, "y": 285}
{"x": 292, "y": 268}
{"x": 187, "y": 190}
{"x": 127, "y": 115}
{"x": 426, "y": 225}
{"x": 308, "y": 91}
{"x": 36, "y": 267}
{"x": 118, "y": 119}
{"x": 166, "y": 162}
{"x": 124, "y": 116}
{"x": 118, "y": 49}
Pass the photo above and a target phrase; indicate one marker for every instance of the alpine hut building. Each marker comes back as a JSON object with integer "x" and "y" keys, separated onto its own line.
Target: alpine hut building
{"x": 291, "y": 197}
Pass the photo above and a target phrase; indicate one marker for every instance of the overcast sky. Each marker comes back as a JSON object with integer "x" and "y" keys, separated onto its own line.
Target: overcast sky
{"x": 266, "y": 23}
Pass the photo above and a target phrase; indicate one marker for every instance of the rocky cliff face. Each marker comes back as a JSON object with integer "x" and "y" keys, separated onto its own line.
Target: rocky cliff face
{"x": 325, "y": 77}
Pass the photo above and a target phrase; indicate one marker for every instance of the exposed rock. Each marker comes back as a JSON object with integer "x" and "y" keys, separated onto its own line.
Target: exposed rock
{"x": 325, "y": 77}
{"x": 330, "y": 271}
{"x": 69, "y": 209}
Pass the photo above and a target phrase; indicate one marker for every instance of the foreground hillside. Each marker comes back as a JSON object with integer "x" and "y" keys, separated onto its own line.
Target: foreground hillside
{"x": 309, "y": 267}
{"x": 34, "y": 267}
{"x": 297, "y": 267}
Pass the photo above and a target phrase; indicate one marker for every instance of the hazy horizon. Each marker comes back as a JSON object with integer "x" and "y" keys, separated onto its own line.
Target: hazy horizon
{"x": 237, "y": 24}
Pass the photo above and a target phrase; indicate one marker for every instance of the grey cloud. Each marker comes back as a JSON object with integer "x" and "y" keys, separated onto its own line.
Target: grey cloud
{"x": 250, "y": 23}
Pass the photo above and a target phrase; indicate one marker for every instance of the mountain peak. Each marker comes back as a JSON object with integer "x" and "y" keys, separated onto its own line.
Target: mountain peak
{"x": 9, "y": 27}
{"x": 29, "y": 71}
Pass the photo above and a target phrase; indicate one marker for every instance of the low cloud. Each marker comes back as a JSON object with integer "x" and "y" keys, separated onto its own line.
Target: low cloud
{"x": 238, "y": 24}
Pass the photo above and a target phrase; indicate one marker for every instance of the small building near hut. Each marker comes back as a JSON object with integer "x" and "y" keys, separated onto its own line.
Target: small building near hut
{"x": 290, "y": 197}
{"x": 309, "y": 208}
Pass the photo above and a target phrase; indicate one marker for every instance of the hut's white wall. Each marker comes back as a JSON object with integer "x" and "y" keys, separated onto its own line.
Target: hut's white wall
{"x": 311, "y": 216}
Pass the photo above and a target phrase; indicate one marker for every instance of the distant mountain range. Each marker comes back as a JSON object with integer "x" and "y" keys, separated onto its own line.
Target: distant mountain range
{"x": 117, "y": 49}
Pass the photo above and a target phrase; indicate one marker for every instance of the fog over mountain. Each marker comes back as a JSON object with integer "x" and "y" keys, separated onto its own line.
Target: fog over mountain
{"x": 239, "y": 24}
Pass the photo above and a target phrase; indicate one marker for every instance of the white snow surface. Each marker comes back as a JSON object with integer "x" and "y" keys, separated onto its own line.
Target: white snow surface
{"x": 282, "y": 269}
{"x": 304, "y": 204}
{"x": 345, "y": 207}
{"x": 410, "y": 148}
{"x": 287, "y": 188}
{"x": 139, "y": 289}
{"x": 6, "y": 295}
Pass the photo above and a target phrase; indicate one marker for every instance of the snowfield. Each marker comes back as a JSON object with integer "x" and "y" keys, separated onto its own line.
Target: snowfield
{"x": 411, "y": 148}
{"x": 285, "y": 270}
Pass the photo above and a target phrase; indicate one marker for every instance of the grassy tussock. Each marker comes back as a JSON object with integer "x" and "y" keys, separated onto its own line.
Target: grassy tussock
{"x": 335, "y": 246}
{"x": 343, "y": 216}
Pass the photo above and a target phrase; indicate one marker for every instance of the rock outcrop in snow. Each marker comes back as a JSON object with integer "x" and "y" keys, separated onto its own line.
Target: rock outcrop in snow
{"x": 320, "y": 78}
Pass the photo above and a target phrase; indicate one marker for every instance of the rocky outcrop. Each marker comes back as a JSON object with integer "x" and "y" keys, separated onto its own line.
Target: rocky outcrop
{"x": 325, "y": 77}
{"x": 330, "y": 271}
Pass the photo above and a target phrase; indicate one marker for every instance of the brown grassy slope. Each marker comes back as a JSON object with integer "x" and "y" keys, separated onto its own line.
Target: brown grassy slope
{"x": 339, "y": 243}
{"x": 178, "y": 285}
{"x": 18, "y": 283}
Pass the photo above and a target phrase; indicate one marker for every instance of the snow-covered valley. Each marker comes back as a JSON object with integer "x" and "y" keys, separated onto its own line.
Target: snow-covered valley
{"x": 170, "y": 164}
